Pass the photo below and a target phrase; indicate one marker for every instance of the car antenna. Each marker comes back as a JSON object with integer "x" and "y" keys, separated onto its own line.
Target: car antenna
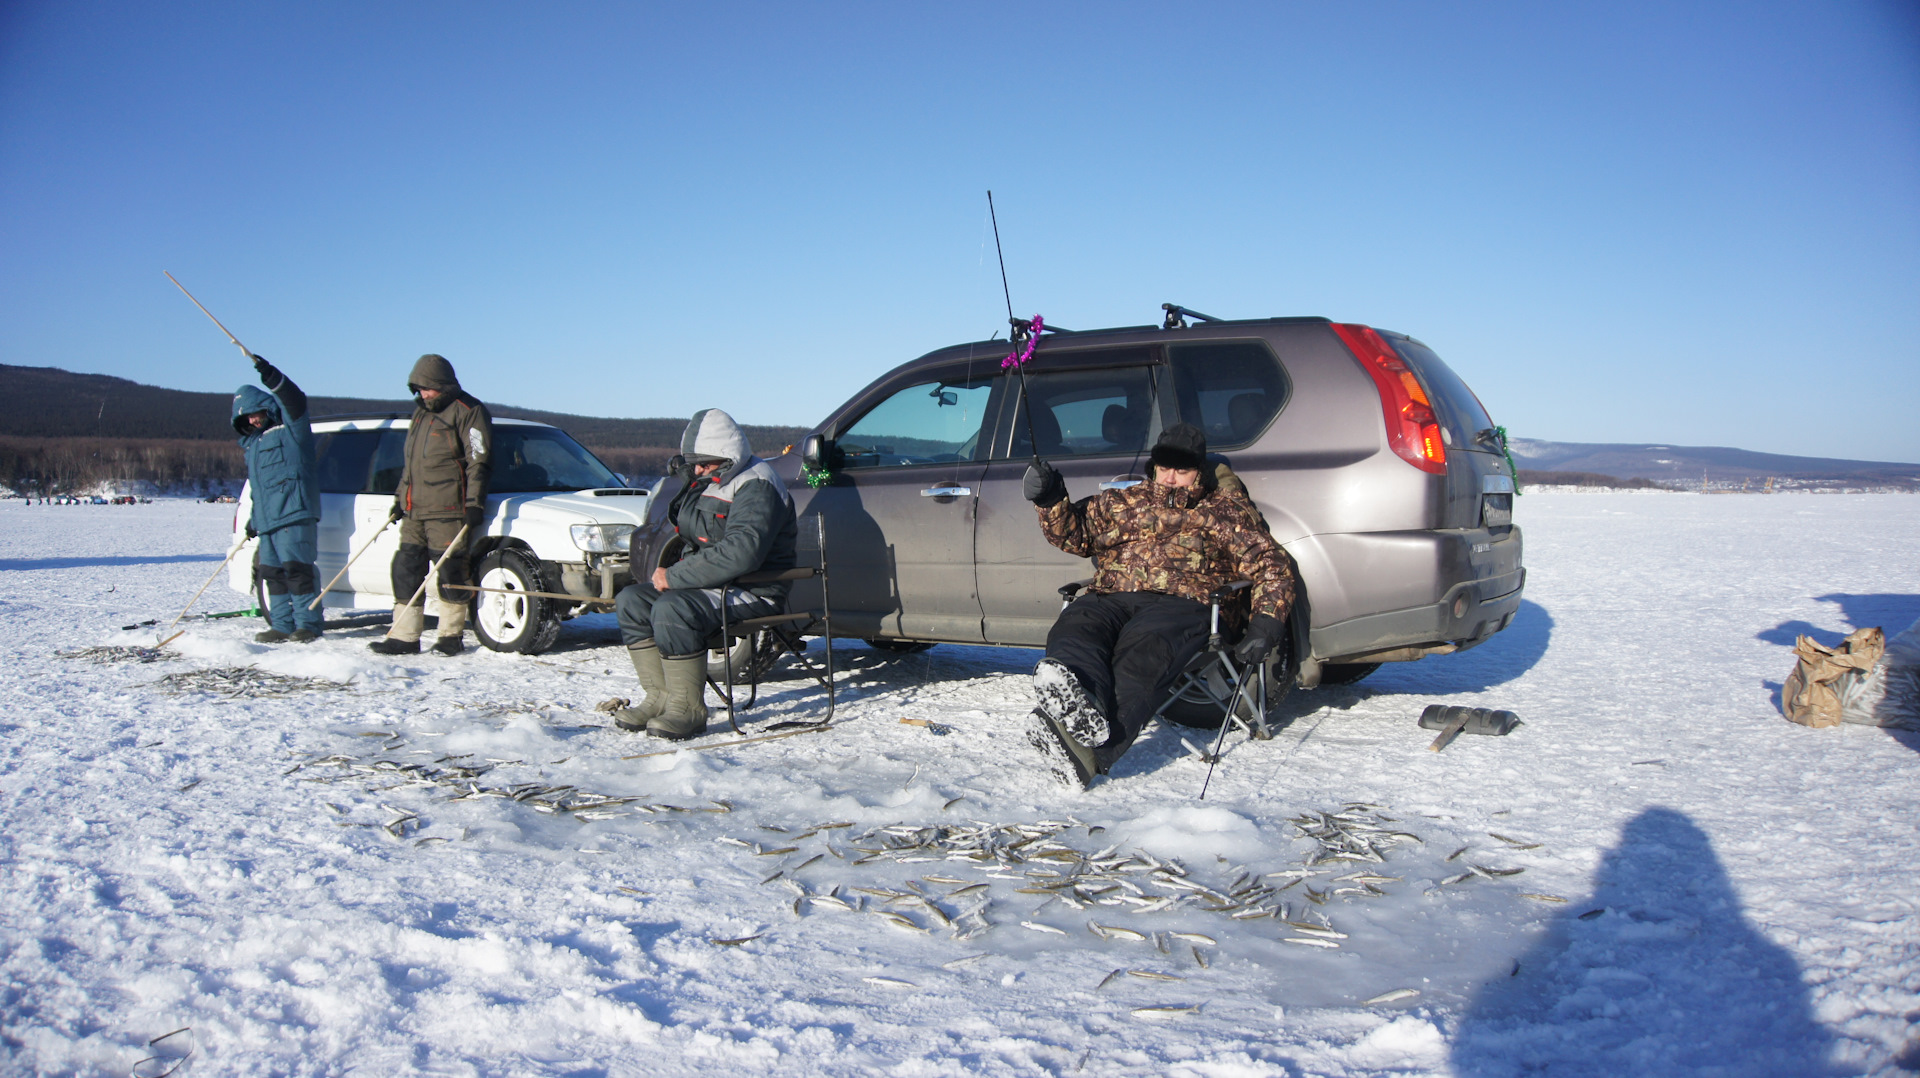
{"x": 1021, "y": 331}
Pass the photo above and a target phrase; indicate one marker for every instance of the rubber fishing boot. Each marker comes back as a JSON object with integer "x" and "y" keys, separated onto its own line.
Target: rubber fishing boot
{"x": 403, "y": 638}
{"x": 653, "y": 679}
{"x": 685, "y": 714}
{"x": 453, "y": 622}
{"x": 1063, "y": 699}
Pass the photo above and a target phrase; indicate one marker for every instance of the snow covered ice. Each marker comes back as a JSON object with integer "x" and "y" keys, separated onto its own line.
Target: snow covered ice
{"x": 1707, "y": 889}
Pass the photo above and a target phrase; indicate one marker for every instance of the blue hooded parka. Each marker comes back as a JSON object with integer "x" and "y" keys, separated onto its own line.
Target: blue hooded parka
{"x": 280, "y": 462}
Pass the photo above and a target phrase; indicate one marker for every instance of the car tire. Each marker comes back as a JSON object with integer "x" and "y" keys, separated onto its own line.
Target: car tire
{"x": 505, "y": 622}
{"x": 1203, "y": 707}
{"x": 898, "y": 647}
{"x": 1345, "y": 673}
{"x": 260, "y": 592}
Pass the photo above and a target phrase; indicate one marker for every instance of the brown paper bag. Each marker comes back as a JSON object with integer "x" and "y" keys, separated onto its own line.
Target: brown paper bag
{"x": 1822, "y": 681}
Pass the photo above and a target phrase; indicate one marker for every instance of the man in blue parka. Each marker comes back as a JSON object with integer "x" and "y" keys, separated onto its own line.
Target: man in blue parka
{"x": 278, "y": 438}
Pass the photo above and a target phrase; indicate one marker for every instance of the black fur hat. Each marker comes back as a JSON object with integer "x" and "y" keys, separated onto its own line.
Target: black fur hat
{"x": 1181, "y": 446}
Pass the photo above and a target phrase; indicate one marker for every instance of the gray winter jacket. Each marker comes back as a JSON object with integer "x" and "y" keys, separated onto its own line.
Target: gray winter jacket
{"x": 735, "y": 522}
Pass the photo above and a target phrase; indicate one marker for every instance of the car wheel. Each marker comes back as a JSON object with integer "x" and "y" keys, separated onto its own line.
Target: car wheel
{"x": 1203, "y": 705}
{"x": 1345, "y": 673}
{"x": 260, "y": 593}
{"x": 505, "y": 621}
{"x": 752, "y": 657}
{"x": 898, "y": 647}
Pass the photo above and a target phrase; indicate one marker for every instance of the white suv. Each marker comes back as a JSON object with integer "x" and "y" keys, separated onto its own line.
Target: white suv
{"x": 558, "y": 523}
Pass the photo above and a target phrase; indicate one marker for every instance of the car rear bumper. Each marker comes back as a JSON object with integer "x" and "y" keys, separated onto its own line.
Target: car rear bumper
{"x": 1483, "y": 582}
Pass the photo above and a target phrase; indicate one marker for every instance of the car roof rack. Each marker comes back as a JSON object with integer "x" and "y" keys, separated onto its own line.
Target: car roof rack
{"x": 1177, "y": 316}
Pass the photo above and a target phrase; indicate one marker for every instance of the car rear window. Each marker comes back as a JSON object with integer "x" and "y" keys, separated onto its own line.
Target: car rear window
{"x": 1230, "y": 389}
{"x": 1462, "y": 416}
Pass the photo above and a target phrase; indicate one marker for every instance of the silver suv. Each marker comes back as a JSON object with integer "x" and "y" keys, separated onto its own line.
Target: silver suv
{"x": 1373, "y": 463}
{"x": 558, "y": 523}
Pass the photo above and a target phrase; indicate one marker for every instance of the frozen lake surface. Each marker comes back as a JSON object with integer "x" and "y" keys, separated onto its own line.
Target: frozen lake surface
{"x": 1706, "y": 888}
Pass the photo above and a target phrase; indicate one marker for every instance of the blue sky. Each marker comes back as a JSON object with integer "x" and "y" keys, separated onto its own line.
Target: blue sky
{"x": 1677, "y": 222}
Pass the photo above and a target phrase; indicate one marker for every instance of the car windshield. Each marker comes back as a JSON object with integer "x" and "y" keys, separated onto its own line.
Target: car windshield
{"x": 529, "y": 460}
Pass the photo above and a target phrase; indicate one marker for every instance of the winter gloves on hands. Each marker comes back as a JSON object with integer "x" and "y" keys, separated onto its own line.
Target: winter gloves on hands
{"x": 1043, "y": 485}
{"x": 476, "y": 521}
{"x": 1263, "y": 632}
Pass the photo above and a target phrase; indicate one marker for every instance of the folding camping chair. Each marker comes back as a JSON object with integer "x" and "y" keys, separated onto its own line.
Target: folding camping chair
{"x": 784, "y": 631}
{"x": 1214, "y": 678}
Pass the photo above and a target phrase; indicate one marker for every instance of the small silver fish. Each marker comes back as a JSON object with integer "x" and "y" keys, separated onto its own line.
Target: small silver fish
{"x": 1309, "y": 941}
{"x": 1038, "y": 927}
{"x": 1394, "y": 996}
{"x": 889, "y": 982}
{"x": 1164, "y": 1012}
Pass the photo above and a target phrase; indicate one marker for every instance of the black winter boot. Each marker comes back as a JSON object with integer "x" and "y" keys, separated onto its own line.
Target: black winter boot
{"x": 271, "y": 636}
{"x": 1065, "y": 700}
{"x": 1069, "y": 761}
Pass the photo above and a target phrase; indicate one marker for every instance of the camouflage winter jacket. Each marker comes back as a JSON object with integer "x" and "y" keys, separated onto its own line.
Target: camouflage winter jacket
{"x": 1181, "y": 542}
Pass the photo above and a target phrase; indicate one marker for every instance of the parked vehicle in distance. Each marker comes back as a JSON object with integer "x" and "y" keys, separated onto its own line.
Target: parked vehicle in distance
{"x": 1372, "y": 462}
{"x": 558, "y": 523}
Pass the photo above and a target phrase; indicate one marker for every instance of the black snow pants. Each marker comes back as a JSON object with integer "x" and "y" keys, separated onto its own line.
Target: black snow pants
{"x": 1126, "y": 648}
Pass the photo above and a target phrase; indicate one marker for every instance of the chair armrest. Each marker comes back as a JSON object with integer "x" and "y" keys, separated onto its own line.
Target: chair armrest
{"x": 774, "y": 576}
{"x": 1225, "y": 591}
{"x": 1068, "y": 591}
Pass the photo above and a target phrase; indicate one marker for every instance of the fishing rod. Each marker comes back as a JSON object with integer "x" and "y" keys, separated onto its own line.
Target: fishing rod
{"x": 1020, "y": 332}
{"x": 203, "y": 310}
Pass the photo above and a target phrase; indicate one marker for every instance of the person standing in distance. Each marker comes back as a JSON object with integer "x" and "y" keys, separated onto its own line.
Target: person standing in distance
{"x": 443, "y": 487}
{"x": 277, "y": 436}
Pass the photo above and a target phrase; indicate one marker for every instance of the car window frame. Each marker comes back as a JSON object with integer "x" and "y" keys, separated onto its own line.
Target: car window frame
{"x": 950, "y": 373}
{"x": 1174, "y": 388}
{"x": 1013, "y": 411}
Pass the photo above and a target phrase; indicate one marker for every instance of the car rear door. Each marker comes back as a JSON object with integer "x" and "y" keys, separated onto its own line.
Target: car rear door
{"x": 359, "y": 469}
{"x": 1093, "y": 413}
{"x": 900, "y": 510}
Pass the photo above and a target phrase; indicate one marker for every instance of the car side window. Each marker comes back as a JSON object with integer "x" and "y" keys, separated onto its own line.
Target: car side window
{"x": 388, "y": 461}
{"x": 1108, "y": 411}
{"x": 344, "y": 459}
{"x": 1230, "y": 389}
{"x": 926, "y": 423}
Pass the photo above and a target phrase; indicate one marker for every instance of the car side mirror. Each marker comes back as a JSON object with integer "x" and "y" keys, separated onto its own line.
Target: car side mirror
{"x": 814, "y": 451}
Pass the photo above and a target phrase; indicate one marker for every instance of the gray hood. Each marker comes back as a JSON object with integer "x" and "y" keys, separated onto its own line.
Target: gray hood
{"x": 713, "y": 435}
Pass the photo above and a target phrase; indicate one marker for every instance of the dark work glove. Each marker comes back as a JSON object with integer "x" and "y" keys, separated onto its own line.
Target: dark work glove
{"x": 1043, "y": 485}
{"x": 475, "y": 518}
{"x": 398, "y": 512}
{"x": 678, "y": 468}
{"x": 251, "y": 534}
{"x": 269, "y": 374}
{"x": 1263, "y": 632}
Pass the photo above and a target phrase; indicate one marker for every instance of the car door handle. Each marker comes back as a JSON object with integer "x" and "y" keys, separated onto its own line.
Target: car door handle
{"x": 946, "y": 492}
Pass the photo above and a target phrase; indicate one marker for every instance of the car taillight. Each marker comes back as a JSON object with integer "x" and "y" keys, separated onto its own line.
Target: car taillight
{"x": 1412, "y": 428}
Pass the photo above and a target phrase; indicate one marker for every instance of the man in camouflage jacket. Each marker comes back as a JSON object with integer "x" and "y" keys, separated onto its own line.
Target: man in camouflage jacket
{"x": 443, "y": 488}
{"x": 1159, "y": 550}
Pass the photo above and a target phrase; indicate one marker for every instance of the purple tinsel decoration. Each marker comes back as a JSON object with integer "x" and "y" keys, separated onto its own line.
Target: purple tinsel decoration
{"x": 1016, "y": 359}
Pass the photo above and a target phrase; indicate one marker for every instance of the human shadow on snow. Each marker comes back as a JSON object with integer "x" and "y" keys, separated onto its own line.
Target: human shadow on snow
{"x": 1658, "y": 973}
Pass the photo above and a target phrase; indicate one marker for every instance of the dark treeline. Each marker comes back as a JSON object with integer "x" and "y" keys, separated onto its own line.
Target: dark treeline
{"x": 1532, "y": 478}
{"x": 38, "y": 466}
{"x": 62, "y": 432}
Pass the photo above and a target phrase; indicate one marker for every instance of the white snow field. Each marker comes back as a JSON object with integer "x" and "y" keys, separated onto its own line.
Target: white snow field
{"x": 1706, "y": 888}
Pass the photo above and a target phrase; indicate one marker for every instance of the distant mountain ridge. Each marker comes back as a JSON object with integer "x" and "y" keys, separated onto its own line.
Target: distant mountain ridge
{"x": 1686, "y": 464}
{"x": 46, "y": 402}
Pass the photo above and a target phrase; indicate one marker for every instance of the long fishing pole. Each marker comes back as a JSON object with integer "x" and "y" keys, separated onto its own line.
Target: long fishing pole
{"x": 203, "y": 310}
{"x": 1016, "y": 333}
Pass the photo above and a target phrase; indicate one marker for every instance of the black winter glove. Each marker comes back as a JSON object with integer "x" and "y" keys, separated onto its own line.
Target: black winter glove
{"x": 251, "y": 534}
{"x": 398, "y": 512}
{"x": 270, "y": 375}
{"x": 475, "y": 518}
{"x": 1263, "y": 632}
{"x": 678, "y": 468}
{"x": 1043, "y": 485}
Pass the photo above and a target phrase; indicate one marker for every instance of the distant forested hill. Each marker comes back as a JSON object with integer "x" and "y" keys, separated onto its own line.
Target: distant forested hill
{"x": 61, "y": 431}
{"x": 47, "y": 402}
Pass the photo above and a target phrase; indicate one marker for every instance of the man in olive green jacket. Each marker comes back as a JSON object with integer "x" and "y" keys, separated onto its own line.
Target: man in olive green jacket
{"x": 443, "y": 487}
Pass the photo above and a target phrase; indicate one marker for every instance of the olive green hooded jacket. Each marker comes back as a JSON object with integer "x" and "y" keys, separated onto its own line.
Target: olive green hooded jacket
{"x": 449, "y": 447}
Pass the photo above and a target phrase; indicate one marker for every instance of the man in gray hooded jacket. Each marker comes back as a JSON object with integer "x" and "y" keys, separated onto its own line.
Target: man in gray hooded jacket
{"x": 734, "y": 517}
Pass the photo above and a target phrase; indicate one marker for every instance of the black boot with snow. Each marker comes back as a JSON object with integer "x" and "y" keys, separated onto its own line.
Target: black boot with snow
{"x": 1065, "y": 700}
{"x": 1068, "y": 760}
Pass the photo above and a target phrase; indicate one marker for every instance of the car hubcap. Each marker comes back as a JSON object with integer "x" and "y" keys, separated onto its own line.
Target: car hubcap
{"x": 502, "y": 615}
